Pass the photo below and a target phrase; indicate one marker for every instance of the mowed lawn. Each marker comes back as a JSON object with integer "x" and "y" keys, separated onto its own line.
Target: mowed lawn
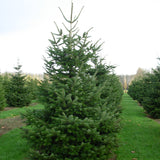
{"x": 12, "y": 145}
{"x": 140, "y": 136}
{"x": 18, "y": 111}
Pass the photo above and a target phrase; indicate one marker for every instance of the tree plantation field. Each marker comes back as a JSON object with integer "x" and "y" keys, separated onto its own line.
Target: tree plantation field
{"x": 81, "y": 111}
{"x": 139, "y": 138}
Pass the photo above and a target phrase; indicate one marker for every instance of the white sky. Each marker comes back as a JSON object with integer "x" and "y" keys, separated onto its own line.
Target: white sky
{"x": 129, "y": 28}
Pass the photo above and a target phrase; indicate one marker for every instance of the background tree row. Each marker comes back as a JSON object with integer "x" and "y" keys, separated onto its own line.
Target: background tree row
{"x": 147, "y": 91}
{"x": 126, "y": 80}
{"x": 17, "y": 90}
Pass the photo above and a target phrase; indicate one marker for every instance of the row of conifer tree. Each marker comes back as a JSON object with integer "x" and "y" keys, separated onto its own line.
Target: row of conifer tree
{"x": 17, "y": 89}
{"x": 146, "y": 90}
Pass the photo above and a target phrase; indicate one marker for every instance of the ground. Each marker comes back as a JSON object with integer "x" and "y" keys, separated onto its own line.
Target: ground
{"x": 10, "y": 123}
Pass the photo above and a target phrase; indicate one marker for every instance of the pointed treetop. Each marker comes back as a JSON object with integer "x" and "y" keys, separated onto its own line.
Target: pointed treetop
{"x": 71, "y": 20}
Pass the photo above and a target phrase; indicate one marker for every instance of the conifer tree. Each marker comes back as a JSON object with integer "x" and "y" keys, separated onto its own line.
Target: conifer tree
{"x": 75, "y": 123}
{"x": 17, "y": 93}
{"x": 32, "y": 85}
{"x": 146, "y": 91}
{"x": 2, "y": 96}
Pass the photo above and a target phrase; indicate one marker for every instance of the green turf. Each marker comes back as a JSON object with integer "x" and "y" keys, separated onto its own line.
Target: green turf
{"x": 140, "y": 136}
{"x": 12, "y": 146}
{"x": 18, "y": 111}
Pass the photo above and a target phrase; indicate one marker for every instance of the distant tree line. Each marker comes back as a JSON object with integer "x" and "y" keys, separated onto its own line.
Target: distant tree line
{"x": 146, "y": 90}
{"x": 126, "y": 80}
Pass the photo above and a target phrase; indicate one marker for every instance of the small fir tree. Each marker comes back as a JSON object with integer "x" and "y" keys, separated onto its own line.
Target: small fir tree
{"x": 18, "y": 94}
{"x": 2, "y": 96}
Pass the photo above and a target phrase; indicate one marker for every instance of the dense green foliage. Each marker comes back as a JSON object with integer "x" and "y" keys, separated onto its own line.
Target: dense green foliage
{"x": 32, "y": 85}
{"x": 17, "y": 94}
{"x": 2, "y": 96}
{"x": 81, "y": 97}
{"x": 147, "y": 91}
{"x": 18, "y": 89}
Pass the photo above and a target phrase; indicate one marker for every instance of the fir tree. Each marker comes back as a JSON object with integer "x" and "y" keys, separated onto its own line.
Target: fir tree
{"x": 75, "y": 123}
{"x": 17, "y": 93}
{"x": 2, "y": 96}
{"x": 32, "y": 85}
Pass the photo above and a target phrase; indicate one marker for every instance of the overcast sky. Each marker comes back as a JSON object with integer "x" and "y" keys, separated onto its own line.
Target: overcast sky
{"x": 129, "y": 28}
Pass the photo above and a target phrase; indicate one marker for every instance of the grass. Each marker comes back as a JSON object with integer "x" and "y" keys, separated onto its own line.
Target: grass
{"x": 140, "y": 136}
{"x": 18, "y": 111}
{"x": 12, "y": 146}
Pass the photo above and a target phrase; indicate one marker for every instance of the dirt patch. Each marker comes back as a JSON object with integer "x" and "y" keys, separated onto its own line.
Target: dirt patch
{"x": 9, "y": 108}
{"x": 157, "y": 120}
{"x": 10, "y": 123}
{"x": 32, "y": 104}
{"x": 114, "y": 157}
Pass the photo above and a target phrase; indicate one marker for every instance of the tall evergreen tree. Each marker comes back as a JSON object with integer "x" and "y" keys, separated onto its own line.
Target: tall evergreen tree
{"x": 17, "y": 93}
{"x": 75, "y": 123}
